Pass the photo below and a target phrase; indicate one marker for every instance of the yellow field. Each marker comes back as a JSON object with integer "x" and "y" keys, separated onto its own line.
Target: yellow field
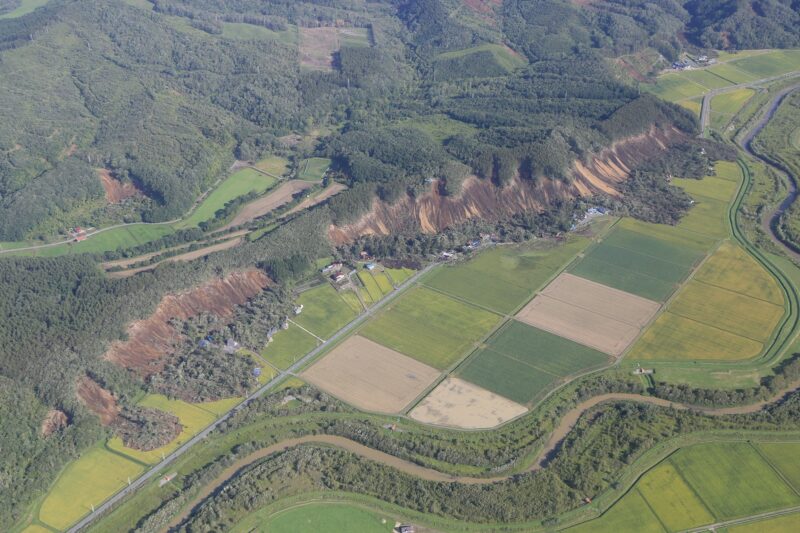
{"x": 727, "y": 310}
{"x": 35, "y": 528}
{"x": 781, "y": 524}
{"x": 694, "y": 105}
{"x": 220, "y": 407}
{"x": 672, "y": 499}
{"x": 674, "y": 338}
{"x": 193, "y": 418}
{"x": 714, "y": 187}
{"x": 733, "y": 268}
{"x": 87, "y": 481}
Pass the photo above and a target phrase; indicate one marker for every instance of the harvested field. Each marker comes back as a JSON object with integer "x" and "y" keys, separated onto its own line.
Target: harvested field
{"x": 188, "y": 256}
{"x": 281, "y": 195}
{"x": 607, "y": 301}
{"x": 116, "y": 191}
{"x": 370, "y": 376}
{"x": 331, "y": 190}
{"x": 152, "y": 339}
{"x": 580, "y": 325}
{"x": 458, "y": 403}
{"x": 97, "y": 399}
{"x": 589, "y": 313}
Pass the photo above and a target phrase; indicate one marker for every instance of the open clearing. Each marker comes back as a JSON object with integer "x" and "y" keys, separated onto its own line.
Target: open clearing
{"x": 521, "y": 362}
{"x": 25, "y": 7}
{"x": 458, "y": 403}
{"x": 87, "y": 481}
{"x": 193, "y": 418}
{"x": 370, "y": 376}
{"x": 287, "y": 346}
{"x": 317, "y": 45}
{"x": 324, "y": 311}
{"x": 274, "y": 165}
{"x": 430, "y": 327}
{"x": 700, "y": 485}
{"x": 315, "y": 517}
{"x": 282, "y": 194}
{"x": 589, "y": 313}
{"x": 313, "y": 169}
{"x": 504, "y": 277}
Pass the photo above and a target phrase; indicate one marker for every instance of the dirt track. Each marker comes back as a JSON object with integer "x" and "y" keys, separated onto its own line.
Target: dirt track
{"x": 566, "y": 424}
{"x": 188, "y": 256}
{"x": 267, "y": 203}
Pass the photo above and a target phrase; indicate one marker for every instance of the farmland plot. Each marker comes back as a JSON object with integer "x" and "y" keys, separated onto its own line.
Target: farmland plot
{"x": 324, "y": 311}
{"x": 287, "y": 346}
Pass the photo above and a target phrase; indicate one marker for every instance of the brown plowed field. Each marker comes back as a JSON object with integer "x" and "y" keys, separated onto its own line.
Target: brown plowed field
{"x": 592, "y": 296}
{"x": 281, "y": 195}
{"x": 188, "y": 256}
{"x": 461, "y": 404}
{"x": 371, "y": 376}
{"x": 331, "y": 190}
{"x": 578, "y": 324}
{"x": 151, "y": 339}
{"x": 97, "y": 400}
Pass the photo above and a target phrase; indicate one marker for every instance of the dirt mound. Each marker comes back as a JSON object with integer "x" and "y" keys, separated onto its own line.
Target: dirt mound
{"x": 433, "y": 212}
{"x": 116, "y": 191}
{"x": 98, "y": 400}
{"x": 53, "y": 421}
{"x": 150, "y": 340}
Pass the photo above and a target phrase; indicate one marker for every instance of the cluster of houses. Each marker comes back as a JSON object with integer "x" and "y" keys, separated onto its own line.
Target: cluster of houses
{"x": 79, "y": 233}
{"x": 689, "y": 63}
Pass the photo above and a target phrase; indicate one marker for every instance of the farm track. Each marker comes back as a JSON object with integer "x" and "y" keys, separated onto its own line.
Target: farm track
{"x": 566, "y": 424}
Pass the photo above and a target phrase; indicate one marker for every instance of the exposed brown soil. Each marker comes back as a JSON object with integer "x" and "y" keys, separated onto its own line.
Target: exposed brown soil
{"x": 317, "y": 46}
{"x": 152, "y": 339}
{"x": 116, "y": 191}
{"x": 98, "y": 400}
{"x": 188, "y": 256}
{"x": 261, "y": 206}
{"x": 332, "y": 190}
{"x": 433, "y": 212}
{"x": 53, "y": 421}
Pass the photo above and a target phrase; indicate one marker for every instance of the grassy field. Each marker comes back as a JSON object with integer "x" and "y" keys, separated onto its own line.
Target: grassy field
{"x": 731, "y": 267}
{"x": 375, "y": 292}
{"x": 505, "y": 277}
{"x": 351, "y": 299}
{"x": 440, "y": 127}
{"x": 315, "y": 517}
{"x": 636, "y": 261}
{"x": 237, "y": 184}
{"x": 274, "y": 165}
{"x": 193, "y": 417}
{"x": 287, "y": 346}
{"x": 422, "y": 324}
{"x": 781, "y": 524}
{"x": 502, "y": 55}
{"x": 700, "y": 485}
{"x": 383, "y": 282}
{"x": 733, "y": 480}
{"x": 726, "y": 105}
{"x": 25, "y": 7}
{"x": 783, "y": 456}
{"x": 86, "y": 481}
{"x": 520, "y": 361}
{"x": 313, "y": 169}
{"x": 399, "y": 275}
{"x": 250, "y": 32}
{"x": 324, "y": 311}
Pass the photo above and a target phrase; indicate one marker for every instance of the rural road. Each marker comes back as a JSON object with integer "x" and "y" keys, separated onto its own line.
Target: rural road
{"x": 770, "y": 221}
{"x": 158, "y": 468}
{"x": 705, "y": 111}
{"x": 566, "y": 424}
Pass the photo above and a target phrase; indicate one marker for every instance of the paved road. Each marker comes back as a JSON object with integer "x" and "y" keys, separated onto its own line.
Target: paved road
{"x": 159, "y": 468}
{"x": 705, "y": 112}
{"x": 745, "y": 520}
{"x": 770, "y": 220}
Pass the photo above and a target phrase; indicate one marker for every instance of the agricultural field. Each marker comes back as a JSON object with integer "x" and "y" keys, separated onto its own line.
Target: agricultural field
{"x": 193, "y": 418}
{"x": 315, "y": 517}
{"x": 505, "y": 277}
{"x": 461, "y": 404}
{"x": 351, "y": 299}
{"x": 274, "y": 165}
{"x": 421, "y": 324}
{"x": 783, "y": 456}
{"x": 87, "y": 481}
{"x": 399, "y": 275}
{"x": 287, "y": 346}
{"x": 250, "y": 32}
{"x": 699, "y": 485}
{"x": 324, "y": 311}
{"x": 520, "y": 362}
{"x": 237, "y": 184}
{"x": 731, "y": 267}
{"x": 313, "y": 169}
{"x": 781, "y": 524}
{"x": 370, "y": 376}
{"x": 370, "y": 285}
{"x": 589, "y": 313}
{"x": 634, "y": 259}
{"x": 726, "y": 105}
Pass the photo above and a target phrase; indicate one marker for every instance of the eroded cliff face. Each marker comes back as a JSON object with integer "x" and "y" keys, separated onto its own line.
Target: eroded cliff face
{"x": 152, "y": 339}
{"x": 433, "y": 212}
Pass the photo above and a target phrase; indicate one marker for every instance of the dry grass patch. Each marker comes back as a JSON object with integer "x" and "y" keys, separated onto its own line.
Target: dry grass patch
{"x": 370, "y": 376}
{"x": 461, "y": 404}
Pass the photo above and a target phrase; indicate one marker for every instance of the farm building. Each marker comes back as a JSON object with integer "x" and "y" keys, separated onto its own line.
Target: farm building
{"x": 298, "y": 309}
{"x": 370, "y": 266}
{"x": 333, "y": 267}
{"x": 230, "y": 346}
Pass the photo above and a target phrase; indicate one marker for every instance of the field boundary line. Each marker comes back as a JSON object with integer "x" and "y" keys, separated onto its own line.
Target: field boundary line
{"x": 739, "y": 293}
{"x": 650, "y": 508}
{"x": 304, "y": 329}
{"x": 718, "y": 328}
{"x": 777, "y": 470}
{"x": 691, "y": 487}
{"x": 124, "y": 455}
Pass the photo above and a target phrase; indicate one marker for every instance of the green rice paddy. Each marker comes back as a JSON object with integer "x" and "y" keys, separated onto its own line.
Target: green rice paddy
{"x": 288, "y": 346}
{"x": 324, "y": 311}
